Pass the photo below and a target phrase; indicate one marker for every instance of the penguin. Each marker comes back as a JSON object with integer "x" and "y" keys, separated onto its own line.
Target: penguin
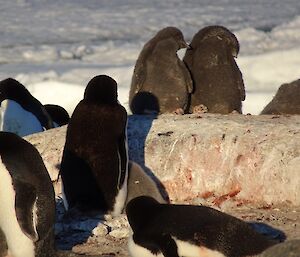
{"x": 21, "y": 113}
{"x": 140, "y": 183}
{"x": 27, "y": 203}
{"x": 58, "y": 114}
{"x": 186, "y": 230}
{"x": 286, "y": 100}
{"x": 218, "y": 82}
{"x": 94, "y": 165}
{"x": 159, "y": 72}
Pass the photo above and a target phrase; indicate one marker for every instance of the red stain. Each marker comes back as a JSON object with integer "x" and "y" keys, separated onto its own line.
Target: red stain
{"x": 207, "y": 194}
{"x": 219, "y": 200}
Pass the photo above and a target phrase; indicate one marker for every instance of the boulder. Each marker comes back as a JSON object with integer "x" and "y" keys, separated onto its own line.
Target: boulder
{"x": 219, "y": 158}
{"x": 287, "y": 249}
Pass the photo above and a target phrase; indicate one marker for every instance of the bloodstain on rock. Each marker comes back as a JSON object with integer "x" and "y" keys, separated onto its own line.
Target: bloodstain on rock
{"x": 207, "y": 195}
{"x": 219, "y": 200}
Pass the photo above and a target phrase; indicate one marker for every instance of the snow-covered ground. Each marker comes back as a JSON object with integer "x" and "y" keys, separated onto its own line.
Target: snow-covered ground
{"x": 54, "y": 47}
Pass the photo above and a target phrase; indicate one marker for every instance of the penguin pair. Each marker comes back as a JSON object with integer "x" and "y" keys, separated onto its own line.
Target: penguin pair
{"x": 23, "y": 114}
{"x": 209, "y": 81}
{"x": 191, "y": 231}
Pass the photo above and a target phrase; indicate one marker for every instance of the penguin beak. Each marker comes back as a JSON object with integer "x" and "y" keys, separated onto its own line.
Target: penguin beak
{"x": 234, "y": 53}
{"x": 183, "y": 44}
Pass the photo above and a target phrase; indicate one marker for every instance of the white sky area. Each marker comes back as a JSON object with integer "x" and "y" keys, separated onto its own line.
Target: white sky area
{"x": 55, "y": 47}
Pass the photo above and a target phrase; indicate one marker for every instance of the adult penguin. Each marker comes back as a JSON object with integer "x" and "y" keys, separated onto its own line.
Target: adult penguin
{"x": 187, "y": 230}
{"x": 27, "y": 205}
{"x": 21, "y": 113}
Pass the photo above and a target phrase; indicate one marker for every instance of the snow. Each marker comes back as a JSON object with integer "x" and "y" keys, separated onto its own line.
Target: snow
{"x": 55, "y": 47}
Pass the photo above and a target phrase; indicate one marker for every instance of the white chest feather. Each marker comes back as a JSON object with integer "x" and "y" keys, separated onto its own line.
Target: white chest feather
{"x": 184, "y": 249}
{"x": 189, "y": 250}
{"x": 17, "y": 120}
{"x": 138, "y": 251}
{"x": 122, "y": 194}
{"x": 19, "y": 245}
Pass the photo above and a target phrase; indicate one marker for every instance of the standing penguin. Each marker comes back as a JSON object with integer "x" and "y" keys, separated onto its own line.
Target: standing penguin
{"x": 21, "y": 112}
{"x": 27, "y": 205}
{"x": 286, "y": 100}
{"x": 95, "y": 158}
{"x": 186, "y": 230}
{"x": 218, "y": 82}
{"x": 161, "y": 83}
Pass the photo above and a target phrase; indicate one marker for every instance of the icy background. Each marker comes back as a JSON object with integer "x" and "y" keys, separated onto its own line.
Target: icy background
{"x": 54, "y": 47}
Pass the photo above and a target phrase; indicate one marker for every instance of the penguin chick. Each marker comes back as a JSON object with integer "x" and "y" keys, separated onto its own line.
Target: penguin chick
{"x": 218, "y": 82}
{"x": 94, "y": 165}
{"x": 161, "y": 75}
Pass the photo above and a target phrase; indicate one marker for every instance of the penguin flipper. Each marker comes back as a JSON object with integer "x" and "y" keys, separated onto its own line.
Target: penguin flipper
{"x": 25, "y": 200}
{"x": 187, "y": 77}
{"x": 123, "y": 159}
{"x": 162, "y": 243}
{"x": 168, "y": 246}
{"x": 45, "y": 119}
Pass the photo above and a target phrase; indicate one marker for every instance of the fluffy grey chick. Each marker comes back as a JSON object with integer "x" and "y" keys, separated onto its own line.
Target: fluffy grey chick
{"x": 218, "y": 82}
{"x": 161, "y": 82}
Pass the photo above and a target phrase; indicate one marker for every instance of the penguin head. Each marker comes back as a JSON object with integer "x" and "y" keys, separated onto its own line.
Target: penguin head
{"x": 174, "y": 33}
{"x": 58, "y": 114}
{"x": 13, "y": 90}
{"x": 101, "y": 89}
{"x": 139, "y": 210}
{"x": 219, "y": 33}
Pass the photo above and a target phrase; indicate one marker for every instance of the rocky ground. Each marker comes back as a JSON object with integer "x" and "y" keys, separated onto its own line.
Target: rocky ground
{"x": 245, "y": 165}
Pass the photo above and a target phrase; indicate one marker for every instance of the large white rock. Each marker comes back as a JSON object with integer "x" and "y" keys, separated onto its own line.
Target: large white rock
{"x": 244, "y": 159}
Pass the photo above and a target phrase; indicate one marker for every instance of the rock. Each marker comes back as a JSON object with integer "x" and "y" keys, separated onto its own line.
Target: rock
{"x": 287, "y": 249}
{"x": 120, "y": 233}
{"x": 219, "y": 158}
{"x": 100, "y": 230}
{"x": 117, "y": 222}
{"x": 50, "y": 144}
